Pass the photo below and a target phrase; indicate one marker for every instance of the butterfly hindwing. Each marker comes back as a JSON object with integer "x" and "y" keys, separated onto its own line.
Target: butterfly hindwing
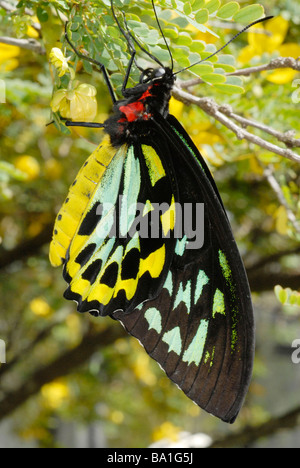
{"x": 200, "y": 327}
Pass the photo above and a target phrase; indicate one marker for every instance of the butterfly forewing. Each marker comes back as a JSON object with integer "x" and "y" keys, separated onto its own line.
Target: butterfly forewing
{"x": 200, "y": 327}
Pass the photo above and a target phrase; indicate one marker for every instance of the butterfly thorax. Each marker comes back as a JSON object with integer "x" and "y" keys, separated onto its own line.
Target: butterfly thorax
{"x": 140, "y": 104}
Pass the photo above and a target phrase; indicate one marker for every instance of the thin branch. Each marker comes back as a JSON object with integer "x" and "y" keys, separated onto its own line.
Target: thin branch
{"x": 261, "y": 281}
{"x": 26, "y": 350}
{"x": 274, "y": 64}
{"x": 286, "y": 138}
{"x": 66, "y": 363}
{"x": 276, "y": 257}
{"x": 210, "y": 106}
{"x": 26, "y": 248}
{"x": 30, "y": 44}
{"x": 250, "y": 434}
{"x": 269, "y": 174}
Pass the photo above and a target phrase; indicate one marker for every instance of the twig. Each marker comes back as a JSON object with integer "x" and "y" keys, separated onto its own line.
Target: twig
{"x": 276, "y": 257}
{"x": 250, "y": 434}
{"x": 286, "y": 138}
{"x": 27, "y": 247}
{"x": 269, "y": 174}
{"x": 209, "y": 106}
{"x": 65, "y": 363}
{"x": 275, "y": 64}
{"x": 30, "y": 44}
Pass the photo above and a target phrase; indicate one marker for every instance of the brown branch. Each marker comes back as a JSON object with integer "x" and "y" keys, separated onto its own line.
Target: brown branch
{"x": 263, "y": 262}
{"x": 29, "y": 44}
{"x": 261, "y": 281}
{"x": 26, "y": 350}
{"x": 218, "y": 112}
{"x": 251, "y": 434}
{"x": 269, "y": 174}
{"x": 275, "y": 64}
{"x": 68, "y": 362}
{"x": 287, "y": 138}
{"x": 27, "y": 248}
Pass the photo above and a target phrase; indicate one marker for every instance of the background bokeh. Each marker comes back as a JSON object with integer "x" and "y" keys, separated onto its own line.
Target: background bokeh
{"x": 73, "y": 380}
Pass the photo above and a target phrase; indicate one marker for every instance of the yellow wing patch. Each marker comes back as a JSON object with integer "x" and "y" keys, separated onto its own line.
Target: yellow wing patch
{"x": 168, "y": 218}
{"x": 154, "y": 263}
{"x": 153, "y": 161}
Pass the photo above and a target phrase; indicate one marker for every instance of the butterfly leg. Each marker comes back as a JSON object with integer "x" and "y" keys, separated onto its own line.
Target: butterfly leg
{"x": 69, "y": 123}
{"x": 95, "y": 62}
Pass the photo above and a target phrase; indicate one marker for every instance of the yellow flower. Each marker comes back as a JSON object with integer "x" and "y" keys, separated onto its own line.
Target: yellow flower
{"x": 60, "y": 62}
{"x": 276, "y": 31}
{"x": 28, "y": 165}
{"x": 40, "y": 307}
{"x": 8, "y": 54}
{"x": 117, "y": 417}
{"x": 271, "y": 40}
{"x": 142, "y": 370}
{"x": 78, "y": 103}
{"x": 31, "y": 31}
{"x": 55, "y": 394}
{"x": 166, "y": 430}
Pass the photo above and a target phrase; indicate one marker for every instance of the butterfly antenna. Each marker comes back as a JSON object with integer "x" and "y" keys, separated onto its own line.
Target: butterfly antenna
{"x": 129, "y": 35}
{"x": 163, "y": 36}
{"x": 231, "y": 40}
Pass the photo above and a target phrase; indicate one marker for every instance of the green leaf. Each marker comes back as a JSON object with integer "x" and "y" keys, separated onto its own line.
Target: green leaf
{"x": 184, "y": 39}
{"x": 12, "y": 171}
{"x": 198, "y": 4}
{"x": 214, "y": 78}
{"x": 113, "y": 32}
{"x": 235, "y": 81}
{"x": 212, "y": 6}
{"x": 197, "y": 46}
{"x": 294, "y": 297}
{"x": 249, "y": 14}
{"x": 281, "y": 294}
{"x": 202, "y": 69}
{"x": 227, "y": 68}
{"x": 227, "y": 59}
{"x": 229, "y": 89}
{"x": 42, "y": 14}
{"x": 229, "y": 10}
{"x": 286, "y": 296}
{"x": 202, "y": 16}
{"x": 171, "y": 33}
{"x": 187, "y": 8}
{"x": 205, "y": 55}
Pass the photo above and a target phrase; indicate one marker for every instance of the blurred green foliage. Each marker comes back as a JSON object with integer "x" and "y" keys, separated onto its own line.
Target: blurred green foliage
{"x": 116, "y": 382}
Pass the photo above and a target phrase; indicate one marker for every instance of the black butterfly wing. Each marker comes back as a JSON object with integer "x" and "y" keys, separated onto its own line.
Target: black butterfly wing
{"x": 200, "y": 327}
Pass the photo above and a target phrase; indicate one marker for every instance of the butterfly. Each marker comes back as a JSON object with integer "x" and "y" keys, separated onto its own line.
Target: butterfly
{"x": 143, "y": 237}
